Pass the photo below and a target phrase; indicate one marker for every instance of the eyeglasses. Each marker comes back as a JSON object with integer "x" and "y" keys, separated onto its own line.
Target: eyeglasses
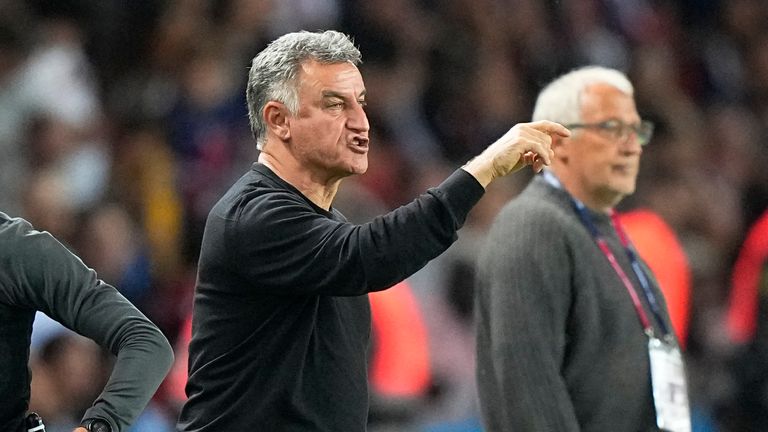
{"x": 619, "y": 130}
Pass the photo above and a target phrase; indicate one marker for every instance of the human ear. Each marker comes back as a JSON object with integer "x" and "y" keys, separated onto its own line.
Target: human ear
{"x": 276, "y": 119}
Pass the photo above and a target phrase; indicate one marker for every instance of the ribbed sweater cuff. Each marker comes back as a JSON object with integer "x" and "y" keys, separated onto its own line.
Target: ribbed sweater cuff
{"x": 460, "y": 191}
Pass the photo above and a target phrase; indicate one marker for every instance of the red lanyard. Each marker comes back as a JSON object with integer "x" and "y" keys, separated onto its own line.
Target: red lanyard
{"x": 586, "y": 219}
{"x": 623, "y": 276}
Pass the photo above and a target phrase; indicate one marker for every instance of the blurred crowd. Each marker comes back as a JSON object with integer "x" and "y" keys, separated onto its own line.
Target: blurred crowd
{"x": 121, "y": 123}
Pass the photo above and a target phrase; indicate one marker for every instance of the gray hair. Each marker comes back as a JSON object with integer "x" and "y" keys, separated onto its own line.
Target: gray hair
{"x": 560, "y": 100}
{"x": 274, "y": 70}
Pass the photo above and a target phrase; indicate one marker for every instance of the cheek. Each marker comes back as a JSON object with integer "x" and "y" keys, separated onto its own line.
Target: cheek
{"x": 326, "y": 131}
{"x": 602, "y": 159}
{"x": 316, "y": 136}
{"x": 597, "y": 169}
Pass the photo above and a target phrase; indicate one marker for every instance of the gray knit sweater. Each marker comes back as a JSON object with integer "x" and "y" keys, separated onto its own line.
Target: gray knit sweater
{"x": 559, "y": 344}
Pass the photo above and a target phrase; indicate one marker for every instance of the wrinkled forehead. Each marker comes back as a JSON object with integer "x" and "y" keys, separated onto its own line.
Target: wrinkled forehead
{"x": 329, "y": 75}
{"x": 602, "y": 101}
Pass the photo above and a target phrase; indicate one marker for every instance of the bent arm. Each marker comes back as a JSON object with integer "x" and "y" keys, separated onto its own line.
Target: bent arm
{"x": 53, "y": 280}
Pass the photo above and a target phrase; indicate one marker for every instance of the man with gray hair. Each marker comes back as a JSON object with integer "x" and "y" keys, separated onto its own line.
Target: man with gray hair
{"x": 573, "y": 332}
{"x": 281, "y": 316}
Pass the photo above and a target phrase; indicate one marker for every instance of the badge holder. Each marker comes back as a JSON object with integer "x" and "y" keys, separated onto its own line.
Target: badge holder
{"x": 670, "y": 393}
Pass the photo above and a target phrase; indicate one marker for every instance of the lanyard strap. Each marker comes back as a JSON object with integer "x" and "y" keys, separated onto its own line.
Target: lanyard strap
{"x": 645, "y": 284}
{"x": 599, "y": 239}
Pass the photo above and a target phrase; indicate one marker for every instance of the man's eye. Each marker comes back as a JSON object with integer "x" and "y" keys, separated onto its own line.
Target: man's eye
{"x": 362, "y": 103}
{"x": 613, "y": 126}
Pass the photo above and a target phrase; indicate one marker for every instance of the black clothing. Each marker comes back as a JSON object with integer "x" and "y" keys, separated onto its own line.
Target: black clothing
{"x": 281, "y": 320}
{"x": 37, "y": 273}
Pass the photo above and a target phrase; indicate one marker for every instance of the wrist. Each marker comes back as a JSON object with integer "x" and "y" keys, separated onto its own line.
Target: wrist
{"x": 94, "y": 425}
{"x": 481, "y": 170}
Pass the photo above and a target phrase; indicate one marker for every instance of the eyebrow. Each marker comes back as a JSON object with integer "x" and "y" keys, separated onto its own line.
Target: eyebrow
{"x": 335, "y": 94}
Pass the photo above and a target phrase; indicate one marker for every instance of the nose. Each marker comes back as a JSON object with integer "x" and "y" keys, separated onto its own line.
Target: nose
{"x": 358, "y": 120}
{"x": 631, "y": 144}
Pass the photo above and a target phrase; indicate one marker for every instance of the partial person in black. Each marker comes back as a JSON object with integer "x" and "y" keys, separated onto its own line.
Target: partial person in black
{"x": 37, "y": 273}
{"x": 281, "y": 318}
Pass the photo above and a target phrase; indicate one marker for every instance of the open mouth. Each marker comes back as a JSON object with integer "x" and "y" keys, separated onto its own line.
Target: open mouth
{"x": 360, "y": 144}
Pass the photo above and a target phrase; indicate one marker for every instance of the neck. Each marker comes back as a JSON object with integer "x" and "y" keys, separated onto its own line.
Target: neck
{"x": 596, "y": 204}
{"x": 595, "y": 201}
{"x": 321, "y": 191}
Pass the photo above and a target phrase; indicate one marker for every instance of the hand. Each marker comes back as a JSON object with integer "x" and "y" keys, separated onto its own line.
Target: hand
{"x": 525, "y": 144}
{"x": 80, "y": 429}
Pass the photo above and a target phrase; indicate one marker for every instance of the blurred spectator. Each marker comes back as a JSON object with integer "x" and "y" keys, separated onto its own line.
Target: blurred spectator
{"x": 16, "y": 104}
{"x": 83, "y": 166}
{"x": 593, "y": 41}
{"x": 210, "y": 140}
{"x": 67, "y": 375}
{"x": 112, "y": 244}
{"x": 747, "y": 315}
{"x": 659, "y": 247}
{"x": 144, "y": 182}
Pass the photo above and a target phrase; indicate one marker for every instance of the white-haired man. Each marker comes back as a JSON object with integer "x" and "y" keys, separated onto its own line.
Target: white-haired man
{"x": 572, "y": 327}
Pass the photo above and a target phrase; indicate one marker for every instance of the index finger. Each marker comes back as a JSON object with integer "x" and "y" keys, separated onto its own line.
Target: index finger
{"x": 551, "y": 127}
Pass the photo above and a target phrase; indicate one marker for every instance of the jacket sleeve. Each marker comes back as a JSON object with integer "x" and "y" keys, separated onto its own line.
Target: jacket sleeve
{"x": 49, "y": 278}
{"x": 286, "y": 248}
{"x": 522, "y": 306}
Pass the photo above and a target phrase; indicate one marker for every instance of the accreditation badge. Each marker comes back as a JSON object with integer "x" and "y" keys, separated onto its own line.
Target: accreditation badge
{"x": 670, "y": 391}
